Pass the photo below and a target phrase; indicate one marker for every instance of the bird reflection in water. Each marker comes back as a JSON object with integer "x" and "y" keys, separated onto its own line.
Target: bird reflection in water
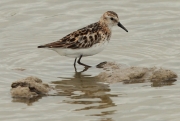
{"x": 86, "y": 90}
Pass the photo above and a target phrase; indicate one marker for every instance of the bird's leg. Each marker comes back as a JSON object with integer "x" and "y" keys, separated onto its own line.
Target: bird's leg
{"x": 75, "y": 64}
{"x": 79, "y": 62}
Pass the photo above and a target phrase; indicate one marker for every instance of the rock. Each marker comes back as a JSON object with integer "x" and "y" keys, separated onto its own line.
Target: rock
{"x": 118, "y": 73}
{"x": 29, "y": 87}
{"x": 162, "y": 75}
{"x": 23, "y": 92}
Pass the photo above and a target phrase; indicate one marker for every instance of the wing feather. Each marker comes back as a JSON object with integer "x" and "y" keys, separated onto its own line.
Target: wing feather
{"x": 82, "y": 38}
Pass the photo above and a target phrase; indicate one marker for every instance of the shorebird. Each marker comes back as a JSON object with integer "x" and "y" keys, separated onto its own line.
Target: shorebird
{"x": 88, "y": 40}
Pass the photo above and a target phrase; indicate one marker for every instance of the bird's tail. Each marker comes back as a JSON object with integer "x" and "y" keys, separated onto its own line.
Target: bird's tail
{"x": 41, "y": 46}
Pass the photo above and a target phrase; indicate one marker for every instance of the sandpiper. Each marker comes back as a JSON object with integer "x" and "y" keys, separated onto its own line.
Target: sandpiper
{"x": 86, "y": 41}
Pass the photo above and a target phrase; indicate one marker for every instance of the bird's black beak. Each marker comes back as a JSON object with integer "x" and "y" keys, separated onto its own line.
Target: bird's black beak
{"x": 120, "y": 25}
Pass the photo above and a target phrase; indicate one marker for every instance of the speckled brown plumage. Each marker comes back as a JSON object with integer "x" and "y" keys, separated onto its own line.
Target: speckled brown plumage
{"x": 83, "y": 38}
{"x": 112, "y": 13}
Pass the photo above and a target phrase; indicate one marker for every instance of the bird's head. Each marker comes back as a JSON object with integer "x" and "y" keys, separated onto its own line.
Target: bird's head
{"x": 111, "y": 19}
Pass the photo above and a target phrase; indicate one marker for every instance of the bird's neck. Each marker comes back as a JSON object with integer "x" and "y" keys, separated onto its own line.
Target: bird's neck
{"x": 105, "y": 29}
{"x": 104, "y": 25}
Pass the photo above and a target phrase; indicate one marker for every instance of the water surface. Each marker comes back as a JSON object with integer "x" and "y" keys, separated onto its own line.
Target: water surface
{"x": 152, "y": 40}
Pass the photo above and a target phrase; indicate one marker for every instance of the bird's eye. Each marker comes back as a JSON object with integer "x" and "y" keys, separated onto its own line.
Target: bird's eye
{"x": 112, "y": 19}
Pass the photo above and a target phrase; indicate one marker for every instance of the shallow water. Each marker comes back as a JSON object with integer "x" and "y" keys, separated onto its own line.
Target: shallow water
{"x": 152, "y": 40}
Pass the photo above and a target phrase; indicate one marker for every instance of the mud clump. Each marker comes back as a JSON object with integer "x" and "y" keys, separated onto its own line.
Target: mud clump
{"x": 29, "y": 88}
{"x": 162, "y": 74}
{"x": 118, "y": 73}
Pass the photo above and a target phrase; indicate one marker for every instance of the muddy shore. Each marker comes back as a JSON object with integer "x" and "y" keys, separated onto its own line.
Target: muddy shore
{"x": 112, "y": 73}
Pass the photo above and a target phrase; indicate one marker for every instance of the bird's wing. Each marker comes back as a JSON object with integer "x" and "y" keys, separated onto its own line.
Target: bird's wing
{"x": 82, "y": 38}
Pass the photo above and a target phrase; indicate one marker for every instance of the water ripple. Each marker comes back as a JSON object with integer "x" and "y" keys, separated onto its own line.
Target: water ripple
{"x": 153, "y": 40}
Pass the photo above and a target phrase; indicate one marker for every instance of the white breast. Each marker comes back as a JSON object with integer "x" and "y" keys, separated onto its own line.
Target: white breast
{"x": 78, "y": 52}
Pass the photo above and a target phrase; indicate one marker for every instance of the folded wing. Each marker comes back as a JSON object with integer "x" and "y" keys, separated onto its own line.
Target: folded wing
{"x": 82, "y": 38}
